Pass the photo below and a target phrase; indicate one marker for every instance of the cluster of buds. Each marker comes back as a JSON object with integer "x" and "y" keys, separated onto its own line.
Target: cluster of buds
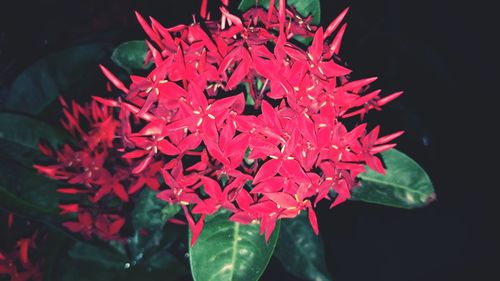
{"x": 234, "y": 114}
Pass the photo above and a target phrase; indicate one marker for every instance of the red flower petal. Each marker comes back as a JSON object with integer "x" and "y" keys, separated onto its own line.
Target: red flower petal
{"x": 388, "y": 99}
{"x": 316, "y": 48}
{"x": 135, "y": 154}
{"x": 112, "y": 78}
{"x": 312, "y": 219}
{"x": 73, "y": 226}
{"x": 239, "y": 73}
{"x": 335, "y": 45}
{"x": 167, "y": 148}
{"x": 211, "y": 187}
{"x": 150, "y": 32}
{"x": 23, "y": 250}
{"x": 293, "y": 170}
{"x": 120, "y": 191}
{"x": 284, "y": 200}
{"x": 389, "y": 138}
{"x": 267, "y": 170}
{"x": 335, "y": 23}
{"x": 274, "y": 184}
{"x": 189, "y": 143}
{"x": 241, "y": 217}
{"x": 176, "y": 221}
{"x": 143, "y": 164}
{"x": 69, "y": 208}
{"x": 115, "y": 227}
{"x": 375, "y": 163}
{"x": 244, "y": 199}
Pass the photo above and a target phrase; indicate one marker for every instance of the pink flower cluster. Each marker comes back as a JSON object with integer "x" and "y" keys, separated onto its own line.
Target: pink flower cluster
{"x": 191, "y": 120}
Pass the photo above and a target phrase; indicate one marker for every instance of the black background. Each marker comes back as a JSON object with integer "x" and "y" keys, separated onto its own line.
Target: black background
{"x": 439, "y": 52}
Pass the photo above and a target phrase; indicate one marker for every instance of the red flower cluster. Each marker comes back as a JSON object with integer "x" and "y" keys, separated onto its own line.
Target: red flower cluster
{"x": 94, "y": 169}
{"x": 262, "y": 165}
{"x": 190, "y": 121}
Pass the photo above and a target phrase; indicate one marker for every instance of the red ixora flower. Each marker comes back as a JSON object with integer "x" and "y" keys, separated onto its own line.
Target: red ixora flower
{"x": 265, "y": 162}
{"x": 94, "y": 168}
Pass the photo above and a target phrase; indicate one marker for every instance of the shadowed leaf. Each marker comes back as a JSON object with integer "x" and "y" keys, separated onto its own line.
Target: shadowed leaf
{"x": 28, "y": 132}
{"x": 300, "y": 251}
{"x": 41, "y": 83}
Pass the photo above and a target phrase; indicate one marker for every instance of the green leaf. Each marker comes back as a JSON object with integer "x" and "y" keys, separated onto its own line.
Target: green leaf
{"x": 169, "y": 211}
{"x": 90, "y": 263}
{"x": 88, "y": 253}
{"x": 20, "y": 135}
{"x": 19, "y": 153}
{"x": 248, "y": 99}
{"x": 405, "y": 185}
{"x": 130, "y": 55}
{"x": 150, "y": 212}
{"x": 54, "y": 246}
{"x": 23, "y": 190}
{"x": 10, "y": 201}
{"x": 300, "y": 251}
{"x": 69, "y": 270}
{"x": 28, "y": 132}
{"x": 303, "y": 7}
{"x": 230, "y": 251}
{"x": 41, "y": 83}
{"x": 168, "y": 265}
{"x": 143, "y": 246}
{"x": 171, "y": 269}
{"x": 304, "y": 40}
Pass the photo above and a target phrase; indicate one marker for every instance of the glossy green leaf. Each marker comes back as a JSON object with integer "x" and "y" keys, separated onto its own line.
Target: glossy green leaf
{"x": 130, "y": 55}
{"x": 28, "y": 132}
{"x": 405, "y": 185}
{"x": 303, "y": 7}
{"x": 41, "y": 83}
{"x": 300, "y": 251}
{"x": 230, "y": 251}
